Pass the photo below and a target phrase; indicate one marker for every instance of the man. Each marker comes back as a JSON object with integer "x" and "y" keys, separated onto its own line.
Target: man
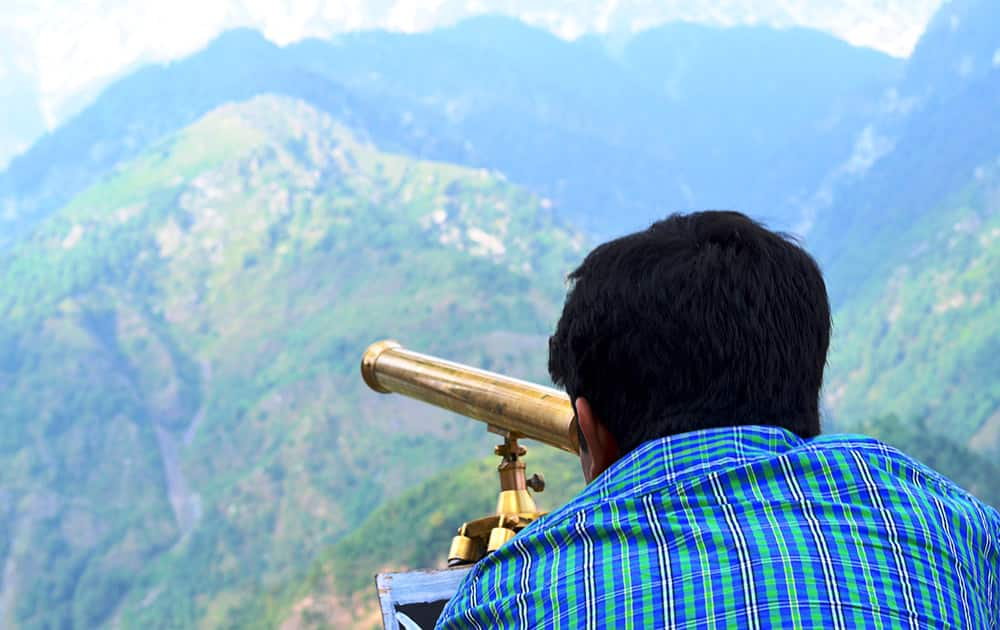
{"x": 693, "y": 353}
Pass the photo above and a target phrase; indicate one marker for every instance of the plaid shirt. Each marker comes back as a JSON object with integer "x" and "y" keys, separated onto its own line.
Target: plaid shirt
{"x": 748, "y": 527}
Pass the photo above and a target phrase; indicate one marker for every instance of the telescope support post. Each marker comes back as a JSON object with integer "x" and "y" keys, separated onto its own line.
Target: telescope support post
{"x": 516, "y": 508}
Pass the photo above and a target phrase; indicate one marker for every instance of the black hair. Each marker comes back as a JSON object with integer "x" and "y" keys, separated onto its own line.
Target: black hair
{"x": 702, "y": 320}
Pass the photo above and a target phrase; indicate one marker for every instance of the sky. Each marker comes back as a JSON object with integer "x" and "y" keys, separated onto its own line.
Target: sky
{"x": 66, "y": 50}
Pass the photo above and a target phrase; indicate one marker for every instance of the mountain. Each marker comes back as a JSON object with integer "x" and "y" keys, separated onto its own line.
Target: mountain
{"x": 65, "y": 54}
{"x": 73, "y": 48}
{"x": 614, "y": 142}
{"x": 934, "y": 105}
{"x": 155, "y": 101}
{"x": 619, "y": 140}
{"x": 759, "y": 115}
{"x": 919, "y": 337}
{"x": 182, "y": 417}
{"x": 916, "y": 323}
{"x": 961, "y": 45}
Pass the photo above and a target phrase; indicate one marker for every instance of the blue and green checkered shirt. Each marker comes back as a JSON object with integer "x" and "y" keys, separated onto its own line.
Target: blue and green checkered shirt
{"x": 748, "y": 527}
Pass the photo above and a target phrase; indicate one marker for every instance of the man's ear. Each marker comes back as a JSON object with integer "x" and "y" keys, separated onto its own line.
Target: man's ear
{"x": 602, "y": 446}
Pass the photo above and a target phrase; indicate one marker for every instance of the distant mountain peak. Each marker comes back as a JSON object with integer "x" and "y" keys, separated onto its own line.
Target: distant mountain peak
{"x": 73, "y": 49}
{"x": 961, "y": 44}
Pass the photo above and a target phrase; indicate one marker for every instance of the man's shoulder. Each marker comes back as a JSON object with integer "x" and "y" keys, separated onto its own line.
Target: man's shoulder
{"x": 688, "y": 503}
{"x": 762, "y": 464}
{"x": 882, "y": 464}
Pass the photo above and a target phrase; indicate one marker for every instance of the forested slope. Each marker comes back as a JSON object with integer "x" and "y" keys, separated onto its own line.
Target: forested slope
{"x": 182, "y": 416}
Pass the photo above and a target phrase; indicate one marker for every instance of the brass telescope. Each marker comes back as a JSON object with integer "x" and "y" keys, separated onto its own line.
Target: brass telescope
{"x": 510, "y": 407}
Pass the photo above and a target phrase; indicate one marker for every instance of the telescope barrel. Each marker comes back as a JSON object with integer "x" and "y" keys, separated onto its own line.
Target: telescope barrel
{"x": 525, "y": 409}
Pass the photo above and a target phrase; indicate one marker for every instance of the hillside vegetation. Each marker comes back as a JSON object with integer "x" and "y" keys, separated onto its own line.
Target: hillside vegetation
{"x": 911, "y": 248}
{"x": 182, "y": 415}
{"x": 922, "y": 340}
{"x": 412, "y": 531}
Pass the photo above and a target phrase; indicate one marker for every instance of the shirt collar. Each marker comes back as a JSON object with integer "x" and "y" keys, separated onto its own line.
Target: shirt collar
{"x": 673, "y": 459}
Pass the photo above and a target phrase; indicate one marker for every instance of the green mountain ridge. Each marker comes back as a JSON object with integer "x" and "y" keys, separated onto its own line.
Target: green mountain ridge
{"x": 911, "y": 255}
{"x": 182, "y": 415}
{"x": 921, "y": 339}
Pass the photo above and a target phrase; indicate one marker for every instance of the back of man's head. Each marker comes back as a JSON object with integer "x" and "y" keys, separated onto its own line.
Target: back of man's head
{"x": 703, "y": 320}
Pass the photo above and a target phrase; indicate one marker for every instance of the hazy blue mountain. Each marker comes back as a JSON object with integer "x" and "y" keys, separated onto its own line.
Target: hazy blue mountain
{"x": 911, "y": 253}
{"x": 601, "y": 136}
{"x": 961, "y": 46}
{"x": 620, "y": 139}
{"x": 135, "y": 112}
{"x": 760, "y": 115}
{"x": 562, "y": 118}
{"x": 933, "y": 149}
